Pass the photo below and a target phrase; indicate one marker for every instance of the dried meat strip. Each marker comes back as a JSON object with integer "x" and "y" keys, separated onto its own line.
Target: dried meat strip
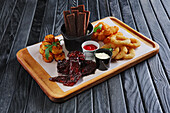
{"x": 65, "y": 13}
{"x": 81, "y": 8}
{"x": 81, "y": 24}
{"x": 76, "y": 16}
{"x": 74, "y": 8}
{"x": 87, "y": 18}
{"x": 71, "y": 24}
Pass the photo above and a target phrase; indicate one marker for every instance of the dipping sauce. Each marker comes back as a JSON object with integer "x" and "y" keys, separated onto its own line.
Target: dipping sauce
{"x": 102, "y": 55}
{"x": 90, "y": 47}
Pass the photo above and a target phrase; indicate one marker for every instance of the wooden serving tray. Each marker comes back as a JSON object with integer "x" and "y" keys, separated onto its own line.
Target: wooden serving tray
{"x": 55, "y": 93}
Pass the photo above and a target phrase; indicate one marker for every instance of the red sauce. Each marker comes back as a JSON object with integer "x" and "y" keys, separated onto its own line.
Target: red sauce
{"x": 90, "y": 47}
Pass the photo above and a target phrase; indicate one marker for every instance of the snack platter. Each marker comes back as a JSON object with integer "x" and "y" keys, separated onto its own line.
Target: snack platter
{"x": 29, "y": 58}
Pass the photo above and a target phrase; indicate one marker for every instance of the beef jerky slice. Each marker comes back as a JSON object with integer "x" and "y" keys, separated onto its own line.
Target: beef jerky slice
{"x": 65, "y": 13}
{"x": 81, "y": 8}
{"x": 74, "y": 8}
{"x": 87, "y": 18}
{"x": 81, "y": 24}
{"x": 71, "y": 24}
{"x": 76, "y": 16}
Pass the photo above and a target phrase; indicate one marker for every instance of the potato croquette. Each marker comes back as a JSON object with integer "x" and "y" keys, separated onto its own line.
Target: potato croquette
{"x": 50, "y": 58}
{"x": 49, "y": 38}
{"x": 57, "y": 49}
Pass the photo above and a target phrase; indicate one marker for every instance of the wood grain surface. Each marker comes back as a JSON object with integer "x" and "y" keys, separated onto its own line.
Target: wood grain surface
{"x": 142, "y": 88}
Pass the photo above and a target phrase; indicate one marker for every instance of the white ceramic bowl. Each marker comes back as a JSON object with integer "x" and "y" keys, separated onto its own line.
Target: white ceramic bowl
{"x": 89, "y": 54}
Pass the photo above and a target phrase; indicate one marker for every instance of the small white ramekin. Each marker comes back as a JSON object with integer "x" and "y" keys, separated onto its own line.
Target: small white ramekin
{"x": 89, "y": 54}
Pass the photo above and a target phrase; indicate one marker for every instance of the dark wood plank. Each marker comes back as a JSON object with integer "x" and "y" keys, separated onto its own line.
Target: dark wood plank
{"x": 166, "y": 4}
{"x": 2, "y": 5}
{"x": 131, "y": 88}
{"x": 5, "y": 16}
{"x": 157, "y": 71}
{"x": 160, "y": 82}
{"x": 84, "y": 102}
{"x": 157, "y": 35}
{"x": 36, "y": 96}
{"x": 149, "y": 95}
{"x": 21, "y": 94}
{"x": 11, "y": 70}
{"x": 49, "y": 19}
{"x": 94, "y": 10}
{"x": 103, "y": 8}
{"x": 6, "y": 43}
{"x": 162, "y": 18}
{"x": 116, "y": 92}
{"x": 48, "y": 28}
{"x": 62, "y": 6}
{"x": 83, "y": 2}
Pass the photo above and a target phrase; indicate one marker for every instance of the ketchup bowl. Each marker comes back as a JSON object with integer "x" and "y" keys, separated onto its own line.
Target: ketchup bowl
{"x": 89, "y": 47}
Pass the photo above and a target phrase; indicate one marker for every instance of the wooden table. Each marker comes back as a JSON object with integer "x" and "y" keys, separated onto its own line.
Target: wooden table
{"x": 142, "y": 88}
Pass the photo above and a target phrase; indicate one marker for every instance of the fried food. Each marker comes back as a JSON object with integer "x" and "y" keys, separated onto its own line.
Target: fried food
{"x": 41, "y": 50}
{"x": 104, "y": 26}
{"x": 121, "y": 46}
{"x": 122, "y": 53}
{"x": 120, "y": 40}
{"x": 101, "y": 36}
{"x": 44, "y": 43}
{"x": 60, "y": 56}
{"x": 130, "y": 54}
{"x": 115, "y": 50}
{"x": 57, "y": 49}
{"x": 49, "y": 38}
{"x": 51, "y": 48}
{"x": 134, "y": 43}
{"x": 50, "y": 58}
{"x": 111, "y": 30}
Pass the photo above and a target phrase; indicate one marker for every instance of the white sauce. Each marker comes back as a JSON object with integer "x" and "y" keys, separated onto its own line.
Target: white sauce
{"x": 102, "y": 55}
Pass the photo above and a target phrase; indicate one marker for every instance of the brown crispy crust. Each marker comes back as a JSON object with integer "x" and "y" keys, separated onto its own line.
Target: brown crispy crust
{"x": 81, "y": 24}
{"x": 87, "y": 18}
{"x": 81, "y": 8}
{"x": 71, "y": 24}
{"x": 65, "y": 13}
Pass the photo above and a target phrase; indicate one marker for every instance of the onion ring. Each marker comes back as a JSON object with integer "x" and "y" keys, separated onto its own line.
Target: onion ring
{"x": 134, "y": 43}
{"x": 130, "y": 54}
{"x": 122, "y": 53}
{"x": 120, "y": 40}
{"x": 115, "y": 49}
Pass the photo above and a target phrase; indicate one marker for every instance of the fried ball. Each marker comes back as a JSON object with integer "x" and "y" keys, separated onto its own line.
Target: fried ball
{"x": 41, "y": 50}
{"x": 44, "y": 43}
{"x": 104, "y": 26}
{"x": 57, "y": 49}
{"x": 107, "y": 40}
{"x": 95, "y": 36}
{"x": 50, "y": 58}
{"x": 101, "y": 36}
{"x": 56, "y": 39}
{"x": 49, "y": 38}
{"x": 60, "y": 56}
{"x": 111, "y": 30}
